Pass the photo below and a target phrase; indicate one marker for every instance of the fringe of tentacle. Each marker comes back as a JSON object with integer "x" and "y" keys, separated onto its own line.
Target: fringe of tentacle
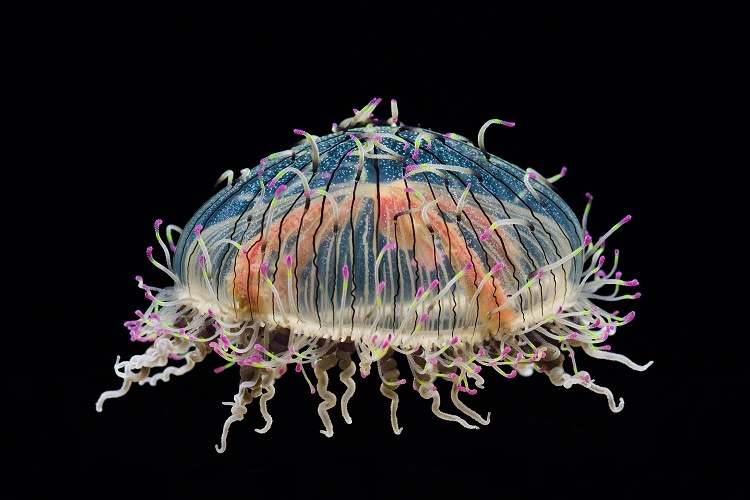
{"x": 459, "y": 364}
{"x": 264, "y": 353}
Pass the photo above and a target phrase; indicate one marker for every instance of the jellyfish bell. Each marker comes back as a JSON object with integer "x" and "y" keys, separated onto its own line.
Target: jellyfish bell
{"x": 375, "y": 243}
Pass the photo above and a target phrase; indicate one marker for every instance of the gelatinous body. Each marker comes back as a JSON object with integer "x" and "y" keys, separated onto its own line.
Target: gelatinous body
{"x": 381, "y": 239}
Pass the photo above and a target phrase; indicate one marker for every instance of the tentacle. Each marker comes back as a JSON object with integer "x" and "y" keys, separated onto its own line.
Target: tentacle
{"x": 191, "y": 358}
{"x": 616, "y": 408}
{"x": 559, "y": 377}
{"x": 424, "y": 376}
{"x": 239, "y": 408}
{"x": 465, "y": 409}
{"x": 429, "y": 391}
{"x": 389, "y": 374}
{"x": 348, "y": 369}
{"x": 329, "y": 399}
{"x": 611, "y": 356}
{"x": 126, "y": 383}
{"x": 267, "y": 381}
{"x": 138, "y": 368}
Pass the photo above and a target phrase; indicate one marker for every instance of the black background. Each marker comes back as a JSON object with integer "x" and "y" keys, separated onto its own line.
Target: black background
{"x": 142, "y": 108}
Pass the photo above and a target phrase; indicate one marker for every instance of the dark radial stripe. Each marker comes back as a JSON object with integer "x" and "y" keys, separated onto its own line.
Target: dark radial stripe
{"x": 353, "y": 253}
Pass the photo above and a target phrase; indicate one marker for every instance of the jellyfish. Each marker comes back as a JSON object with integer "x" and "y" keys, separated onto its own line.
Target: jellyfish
{"x": 386, "y": 249}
